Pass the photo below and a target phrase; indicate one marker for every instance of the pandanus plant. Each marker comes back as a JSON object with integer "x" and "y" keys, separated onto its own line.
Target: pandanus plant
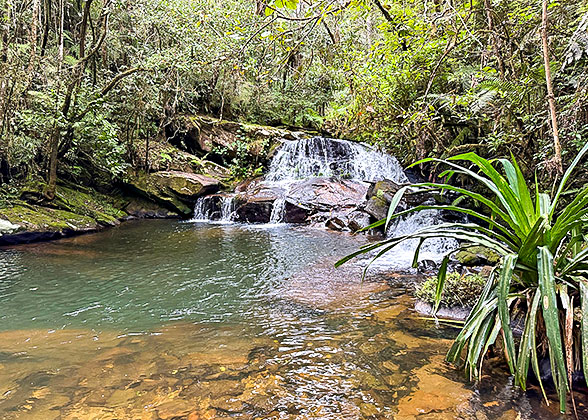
{"x": 543, "y": 270}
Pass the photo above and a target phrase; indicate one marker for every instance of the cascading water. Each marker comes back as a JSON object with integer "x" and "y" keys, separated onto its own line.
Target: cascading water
{"x": 278, "y": 210}
{"x": 298, "y": 161}
{"x": 319, "y": 156}
{"x": 401, "y": 256}
{"x": 214, "y": 208}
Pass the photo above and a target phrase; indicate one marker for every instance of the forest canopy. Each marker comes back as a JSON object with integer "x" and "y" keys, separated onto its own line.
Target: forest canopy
{"x": 81, "y": 82}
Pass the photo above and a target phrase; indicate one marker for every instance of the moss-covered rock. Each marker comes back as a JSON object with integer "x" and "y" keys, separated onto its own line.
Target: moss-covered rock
{"x": 41, "y": 223}
{"x": 164, "y": 156}
{"x": 175, "y": 190}
{"x": 93, "y": 204}
{"x": 105, "y": 209}
{"x": 476, "y": 256}
{"x": 459, "y": 290}
{"x": 201, "y": 135}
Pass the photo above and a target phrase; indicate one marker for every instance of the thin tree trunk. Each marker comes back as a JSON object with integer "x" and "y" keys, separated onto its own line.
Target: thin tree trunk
{"x": 495, "y": 39}
{"x": 46, "y": 26}
{"x": 33, "y": 38}
{"x": 550, "y": 96}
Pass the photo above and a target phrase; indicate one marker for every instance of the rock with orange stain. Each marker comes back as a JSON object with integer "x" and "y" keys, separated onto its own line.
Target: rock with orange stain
{"x": 435, "y": 394}
{"x": 173, "y": 409}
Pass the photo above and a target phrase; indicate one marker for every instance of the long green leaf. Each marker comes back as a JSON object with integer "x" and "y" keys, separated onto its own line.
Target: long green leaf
{"x": 394, "y": 204}
{"x": 552, "y": 327}
{"x": 526, "y": 340}
{"x": 504, "y": 281}
{"x": 440, "y": 283}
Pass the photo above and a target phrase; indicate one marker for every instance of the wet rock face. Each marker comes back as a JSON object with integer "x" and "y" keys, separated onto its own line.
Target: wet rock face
{"x": 327, "y": 194}
{"x": 311, "y": 200}
{"x": 294, "y": 213}
{"x": 349, "y": 221}
{"x": 175, "y": 190}
{"x": 254, "y": 211}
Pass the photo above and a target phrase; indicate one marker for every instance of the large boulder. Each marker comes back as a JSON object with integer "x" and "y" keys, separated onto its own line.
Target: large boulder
{"x": 327, "y": 194}
{"x": 163, "y": 156}
{"x": 316, "y": 200}
{"x": 175, "y": 190}
{"x": 203, "y": 135}
{"x": 24, "y": 223}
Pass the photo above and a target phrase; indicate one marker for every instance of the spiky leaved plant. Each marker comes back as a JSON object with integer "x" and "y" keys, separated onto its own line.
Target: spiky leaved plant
{"x": 543, "y": 269}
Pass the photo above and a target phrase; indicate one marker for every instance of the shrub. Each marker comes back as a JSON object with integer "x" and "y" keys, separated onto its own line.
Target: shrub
{"x": 459, "y": 290}
{"x": 543, "y": 269}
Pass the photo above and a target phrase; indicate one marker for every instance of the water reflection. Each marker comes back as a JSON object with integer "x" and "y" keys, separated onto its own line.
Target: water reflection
{"x": 151, "y": 339}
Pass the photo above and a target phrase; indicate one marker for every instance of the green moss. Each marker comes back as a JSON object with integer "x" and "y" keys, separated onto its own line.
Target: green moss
{"x": 477, "y": 255}
{"x": 37, "y": 218}
{"x": 459, "y": 290}
{"x": 92, "y": 204}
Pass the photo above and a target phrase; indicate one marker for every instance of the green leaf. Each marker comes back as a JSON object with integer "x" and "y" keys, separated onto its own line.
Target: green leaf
{"x": 523, "y": 360}
{"x": 394, "y": 205}
{"x": 504, "y": 280}
{"x": 552, "y": 327}
{"x": 440, "y": 283}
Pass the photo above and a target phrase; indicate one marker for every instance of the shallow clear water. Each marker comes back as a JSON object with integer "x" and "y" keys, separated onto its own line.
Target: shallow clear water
{"x": 171, "y": 320}
{"x": 142, "y": 274}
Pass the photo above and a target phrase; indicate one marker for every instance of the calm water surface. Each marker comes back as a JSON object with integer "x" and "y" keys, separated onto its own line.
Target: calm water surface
{"x": 171, "y": 320}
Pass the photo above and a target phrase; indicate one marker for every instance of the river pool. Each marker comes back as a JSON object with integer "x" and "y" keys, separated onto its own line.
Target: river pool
{"x": 173, "y": 320}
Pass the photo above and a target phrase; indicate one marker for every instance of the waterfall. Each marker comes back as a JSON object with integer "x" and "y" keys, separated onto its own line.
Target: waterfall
{"x": 297, "y": 161}
{"x": 214, "y": 208}
{"x": 401, "y": 256}
{"x": 202, "y": 210}
{"x": 227, "y": 209}
{"x": 278, "y": 210}
{"x": 318, "y": 156}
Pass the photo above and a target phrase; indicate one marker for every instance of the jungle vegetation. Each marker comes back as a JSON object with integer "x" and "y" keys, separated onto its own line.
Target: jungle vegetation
{"x": 84, "y": 82}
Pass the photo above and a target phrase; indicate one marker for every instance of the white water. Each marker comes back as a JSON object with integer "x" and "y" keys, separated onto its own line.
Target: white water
{"x": 401, "y": 256}
{"x": 205, "y": 210}
{"x": 278, "y": 210}
{"x": 318, "y": 156}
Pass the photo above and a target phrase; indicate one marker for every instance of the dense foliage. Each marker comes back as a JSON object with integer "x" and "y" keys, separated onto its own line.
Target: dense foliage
{"x": 543, "y": 273}
{"x": 81, "y": 80}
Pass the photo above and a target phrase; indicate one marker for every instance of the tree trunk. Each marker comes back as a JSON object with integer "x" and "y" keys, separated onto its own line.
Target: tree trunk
{"x": 550, "y": 96}
{"x": 495, "y": 39}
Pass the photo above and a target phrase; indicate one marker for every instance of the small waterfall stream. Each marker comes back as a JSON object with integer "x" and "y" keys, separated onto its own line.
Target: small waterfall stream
{"x": 278, "y": 210}
{"x": 214, "y": 208}
{"x": 297, "y": 161}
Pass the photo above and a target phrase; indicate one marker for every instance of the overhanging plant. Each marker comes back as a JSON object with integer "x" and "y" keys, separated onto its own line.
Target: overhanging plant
{"x": 543, "y": 269}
